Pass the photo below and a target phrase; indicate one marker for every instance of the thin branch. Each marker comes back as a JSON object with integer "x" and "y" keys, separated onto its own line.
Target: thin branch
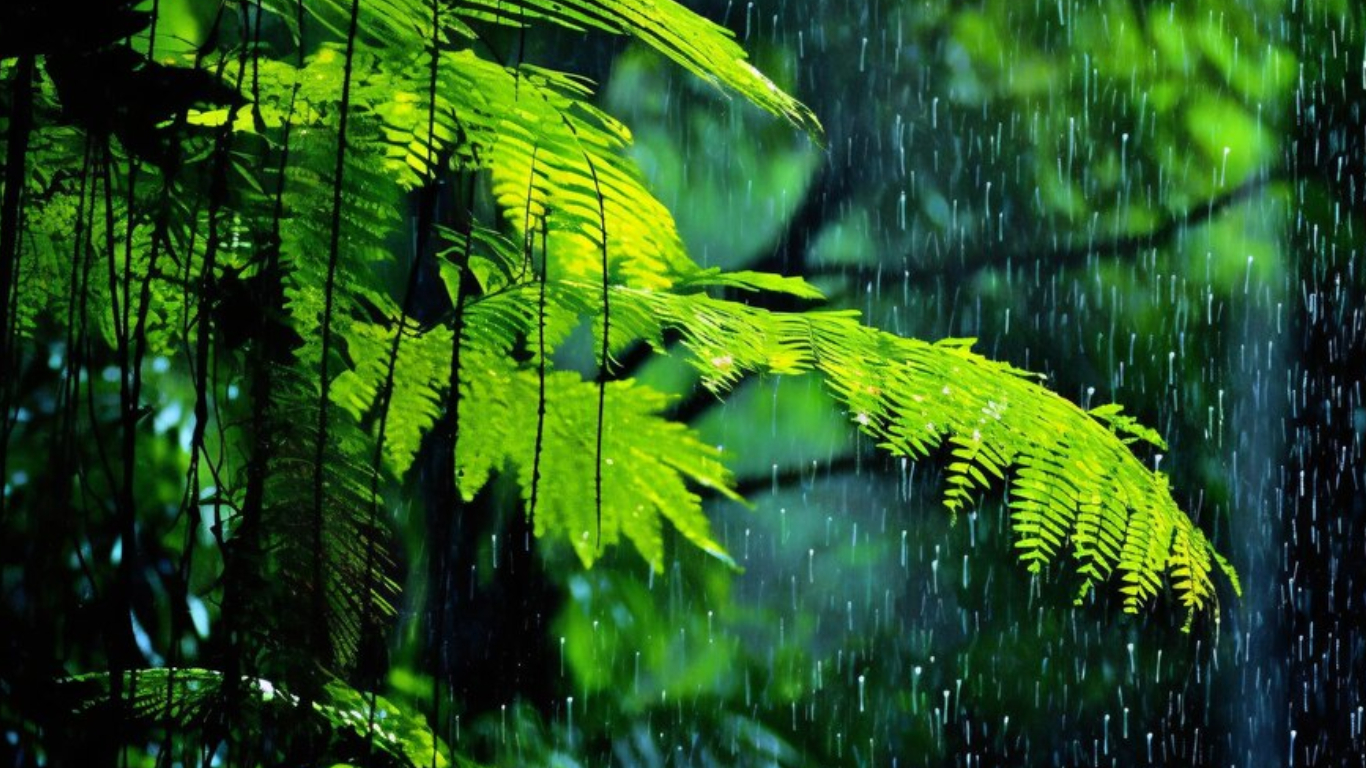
{"x": 540, "y": 370}
{"x": 603, "y": 370}
{"x": 1063, "y": 256}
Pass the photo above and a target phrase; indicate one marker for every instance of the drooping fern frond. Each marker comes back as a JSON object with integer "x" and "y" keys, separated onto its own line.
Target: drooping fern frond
{"x": 704, "y": 48}
{"x": 548, "y": 151}
{"x": 555, "y": 166}
{"x": 534, "y": 131}
{"x": 391, "y": 728}
{"x": 573, "y": 230}
{"x": 399, "y": 25}
{"x": 1075, "y": 487}
{"x": 1073, "y": 484}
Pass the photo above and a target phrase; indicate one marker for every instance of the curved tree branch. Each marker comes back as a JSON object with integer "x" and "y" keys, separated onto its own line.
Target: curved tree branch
{"x": 1069, "y": 255}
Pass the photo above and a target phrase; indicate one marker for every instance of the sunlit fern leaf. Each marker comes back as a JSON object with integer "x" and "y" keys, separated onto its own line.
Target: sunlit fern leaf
{"x": 417, "y": 382}
{"x": 393, "y": 125}
{"x": 495, "y": 324}
{"x": 494, "y": 261}
{"x": 701, "y": 46}
{"x": 402, "y": 26}
{"x": 1072, "y": 484}
{"x": 368, "y": 218}
{"x": 713, "y": 277}
{"x": 508, "y": 316}
{"x": 1092, "y": 547}
{"x": 964, "y": 474}
{"x": 369, "y": 206}
{"x": 1127, "y": 426}
{"x": 953, "y": 392}
{"x": 371, "y": 193}
{"x": 648, "y": 462}
{"x": 548, "y": 152}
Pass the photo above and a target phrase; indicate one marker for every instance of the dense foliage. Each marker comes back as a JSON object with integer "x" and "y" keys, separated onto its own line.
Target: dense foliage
{"x": 280, "y": 305}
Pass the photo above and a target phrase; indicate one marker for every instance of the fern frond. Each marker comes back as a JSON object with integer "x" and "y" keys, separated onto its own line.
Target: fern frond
{"x": 184, "y": 698}
{"x": 649, "y": 463}
{"x": 378, "y": 721}
{"x": 1074, "y": 486}
{"x": 416, "y": 396}
{"x": 178, "y": 697}
{"x": 403, "y": 28}
{"x": 555, "y": 167}
{"x": 547, "y": 151}
{"x": 1074, "y": 461}
{"x": 356, "y": 589}
{"x": 554, "y": 162}
{"x": 700, "y": 46}
{"x": 713, "y": 277}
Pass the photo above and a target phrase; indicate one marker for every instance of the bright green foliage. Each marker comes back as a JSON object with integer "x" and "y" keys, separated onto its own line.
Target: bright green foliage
{"x": 415, "y": 397}
{"x": 1075, "y": 482}
{"x": 705, "y": 49}
{"x": 386, "y": 726}
{"x": 648, "y": 461}
{"x": 574, "y": 239}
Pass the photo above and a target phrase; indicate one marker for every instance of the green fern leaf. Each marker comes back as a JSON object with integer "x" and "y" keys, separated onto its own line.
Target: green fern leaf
{"x": 345, "y": 549}
{"x": 417, "y": 382}
{"x": 185, "y": 698}
{"x": 697, "y": 44}
{"x": 1074, "y": 486}
{"x": 648, "y": 462}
